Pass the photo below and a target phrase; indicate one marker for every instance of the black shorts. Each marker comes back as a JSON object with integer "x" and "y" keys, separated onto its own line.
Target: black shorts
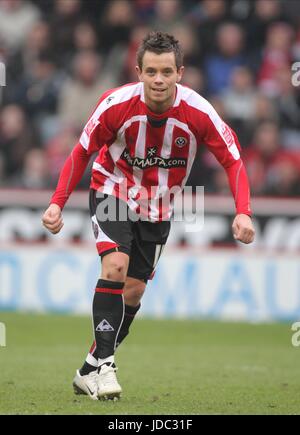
{"x": 142, "y": 241}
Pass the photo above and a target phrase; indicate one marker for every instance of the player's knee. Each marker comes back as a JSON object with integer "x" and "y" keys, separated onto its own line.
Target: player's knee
{"x": 114, "y": 267}
{"x": 133, "y": 291}
{"x": 115, "y": 272}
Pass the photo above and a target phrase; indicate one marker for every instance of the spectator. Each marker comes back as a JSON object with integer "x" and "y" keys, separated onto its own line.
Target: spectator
{"x": 191, "y": 46}
{"x": 85, "y": 37}
{"x": 34, "y": 174}
{"x": 145, "y": 10}
{"x": 36, "y": 42}
{"x": 288, "y": 104}
{"x": 194, "y": 79}
{"x": 291, "y": 10}
{"x": 16, "y": 138}
{"x": 116, "y": 25}
{"x": 16, "y": 19}
{"x": 285, "y": 177}
{"x": 240, "y": 101}
{"x": 219, "y": 66}
{"x": 65, "y": 17}
{"x": 2, "y": 170}
{"x": 206, "y": 17}
{"x": 296, "y": 46}
{"x": 275, "y": 56}
{"x": 38, "y": 93}
{"x": 265, "y": 13}
{"x": 81, "y": 92}
{"x": 137, "y": 34}
{"x": 240, "y": 10}
{"x": 264, "y": 162}
{"x": 58, "y": 148}
{"x": 265, "y": 110}
{"x": 167, "y": 14}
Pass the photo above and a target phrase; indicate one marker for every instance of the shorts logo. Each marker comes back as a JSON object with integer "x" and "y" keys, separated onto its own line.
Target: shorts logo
{"x": 95, "y": 229}
{"x": 180, "y": 141}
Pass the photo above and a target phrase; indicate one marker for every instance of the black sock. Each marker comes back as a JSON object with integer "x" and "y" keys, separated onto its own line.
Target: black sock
{"x": 91, "y": 362}
{"x": 108, "y": 312}
{"x": 129, "y": 316}
{"x": 86, "y": 369}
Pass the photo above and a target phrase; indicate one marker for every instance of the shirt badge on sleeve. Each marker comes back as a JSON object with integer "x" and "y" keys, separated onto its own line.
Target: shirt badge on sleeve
{"x": 91, "y": 125}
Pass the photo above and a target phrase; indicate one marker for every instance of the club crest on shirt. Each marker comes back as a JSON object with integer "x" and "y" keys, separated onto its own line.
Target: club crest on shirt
{"x": 180, "y": 141}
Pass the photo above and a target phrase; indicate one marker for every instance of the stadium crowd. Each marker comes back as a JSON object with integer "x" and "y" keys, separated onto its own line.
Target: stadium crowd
{"x": 61, "y": 55}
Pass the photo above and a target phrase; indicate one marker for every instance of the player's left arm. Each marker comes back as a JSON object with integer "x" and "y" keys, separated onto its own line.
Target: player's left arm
{"x": 223, "y": 143}
{"x": 242, "y": 227}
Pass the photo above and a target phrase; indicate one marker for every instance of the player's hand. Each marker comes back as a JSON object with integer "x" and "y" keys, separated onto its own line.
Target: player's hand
{"x": 52, "y": 219}
{"x": 243, "y": 229}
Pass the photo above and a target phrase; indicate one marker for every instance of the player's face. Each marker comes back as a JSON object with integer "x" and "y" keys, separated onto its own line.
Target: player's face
{"x": 160, "y": 75}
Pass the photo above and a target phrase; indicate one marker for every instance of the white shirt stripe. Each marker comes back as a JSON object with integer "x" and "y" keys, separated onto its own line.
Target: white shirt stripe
{"x": 119, "y": 96}
{"x": 197, "y": 102}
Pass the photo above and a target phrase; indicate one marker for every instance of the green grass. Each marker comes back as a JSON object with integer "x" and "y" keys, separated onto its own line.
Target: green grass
{"x": 165, "y": 367}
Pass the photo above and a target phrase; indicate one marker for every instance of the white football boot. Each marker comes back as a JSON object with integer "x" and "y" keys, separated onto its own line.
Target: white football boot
{"x": 108, "y": 386}
{"x": 87, "y": 384}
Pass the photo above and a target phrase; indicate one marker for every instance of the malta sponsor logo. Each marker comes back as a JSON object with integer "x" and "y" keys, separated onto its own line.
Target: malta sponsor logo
{"x": 180, "y": 142}
{"x": 151, "y": 151}
{"x": 91, "y": 125}
{"x": 104, "y": 326}
{"x": 153, "y": 160}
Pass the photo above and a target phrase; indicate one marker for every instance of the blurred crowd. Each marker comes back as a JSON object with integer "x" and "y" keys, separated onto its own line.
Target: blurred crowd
{"x": 61, "y": 55}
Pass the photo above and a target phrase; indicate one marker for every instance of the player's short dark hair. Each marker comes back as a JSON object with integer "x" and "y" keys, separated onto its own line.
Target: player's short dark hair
{"x": 160, "y": 42}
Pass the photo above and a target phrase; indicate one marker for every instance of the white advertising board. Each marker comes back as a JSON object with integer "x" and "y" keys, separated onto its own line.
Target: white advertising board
{"x": 222, "y": 284}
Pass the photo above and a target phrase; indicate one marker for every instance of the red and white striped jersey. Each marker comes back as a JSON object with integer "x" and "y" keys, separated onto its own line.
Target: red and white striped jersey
{"x": 145, "y": 150}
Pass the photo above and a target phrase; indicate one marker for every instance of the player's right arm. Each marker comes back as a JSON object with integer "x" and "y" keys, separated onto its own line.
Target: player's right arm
{"x": 97, "y": 132}
{"x": 52, "y": 219}
{"x": 70, "y": 176}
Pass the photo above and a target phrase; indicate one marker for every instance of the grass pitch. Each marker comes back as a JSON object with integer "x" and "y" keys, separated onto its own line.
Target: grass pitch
{"x": 165, "y": 367}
